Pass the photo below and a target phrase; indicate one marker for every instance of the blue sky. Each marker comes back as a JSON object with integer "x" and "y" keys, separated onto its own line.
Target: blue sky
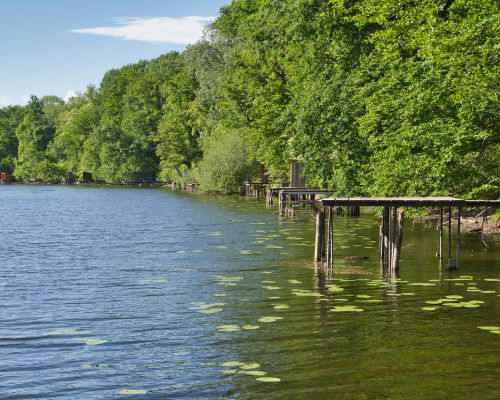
{"x": 60, "y": 46}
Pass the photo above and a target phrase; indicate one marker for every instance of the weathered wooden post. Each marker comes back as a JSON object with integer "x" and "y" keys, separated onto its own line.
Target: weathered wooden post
{"x": 280, "y": 202}
{"x": 398, "y": 239}
{"x": 393, "y": 237}
{"x": 441, "y": 233}
{"x": 449, "y": 265}
{"x": 329, "y": 255}
{"x": 320, "y": 234}
{"x": 459, "y": 212}
{"x": 386, "y": 220}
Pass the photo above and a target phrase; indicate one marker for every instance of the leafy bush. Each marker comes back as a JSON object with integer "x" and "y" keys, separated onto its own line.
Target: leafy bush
{"x": 225, "y": 165}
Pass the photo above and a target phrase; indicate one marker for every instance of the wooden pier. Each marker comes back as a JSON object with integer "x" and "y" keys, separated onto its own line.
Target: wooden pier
{"x": 391, "y": 227}
{"x": 290, "y": 197}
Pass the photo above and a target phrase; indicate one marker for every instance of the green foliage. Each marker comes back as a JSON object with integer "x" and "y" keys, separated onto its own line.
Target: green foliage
{"x": 34, "y": 135}
{"x": 10, "y": 118}
{"x": 225, "y": 165}
{"x": 377, "y": 97}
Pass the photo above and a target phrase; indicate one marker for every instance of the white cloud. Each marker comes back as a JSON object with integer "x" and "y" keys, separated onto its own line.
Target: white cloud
{"x": 183, "y": 30}
{"x": 69, "y": 95}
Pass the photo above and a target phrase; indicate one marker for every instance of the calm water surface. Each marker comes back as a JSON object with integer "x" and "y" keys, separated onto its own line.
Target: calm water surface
{"x": 143, "y": 293}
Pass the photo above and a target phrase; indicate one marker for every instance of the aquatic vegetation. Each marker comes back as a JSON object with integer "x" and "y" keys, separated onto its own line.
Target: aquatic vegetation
{"x": 132, "y": 391}
{"x": 334, "y": 288}
{"x": 490, "y": 328}
{"x": 306, "y": 293}
{"x": 272, "y": 287}
{"x": 346, "y": 309}
{"x": 269, "y": 319}
{"x": 429, "y": 308}
{"x": 91, "y": 341}
{"x": 294, "y": 281}
{"x": 268, "y": 379}
{"x": 250, "y": 327}
{"x": 228, "y": 328}
{"x": 249, "y": 365}
{"x": 281, "y": 306}
{"x": 249, "y": 253}
{"x": 421, "y": 284}
{"x": 253, "y": 373}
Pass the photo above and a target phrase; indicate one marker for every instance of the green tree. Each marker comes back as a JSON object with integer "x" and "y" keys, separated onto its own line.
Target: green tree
{"x": 34, "y": 134}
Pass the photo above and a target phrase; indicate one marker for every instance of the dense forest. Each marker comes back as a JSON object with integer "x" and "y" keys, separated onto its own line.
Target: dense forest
{"x": 376, "y": 97}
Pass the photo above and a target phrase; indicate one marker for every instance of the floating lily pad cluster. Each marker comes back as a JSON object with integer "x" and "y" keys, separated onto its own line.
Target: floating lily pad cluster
{"x": 207, "y": 308}
{"x": 250, "y": 369}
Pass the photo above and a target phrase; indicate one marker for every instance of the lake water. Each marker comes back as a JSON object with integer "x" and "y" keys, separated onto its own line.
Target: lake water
{"x": 143, "y": 293}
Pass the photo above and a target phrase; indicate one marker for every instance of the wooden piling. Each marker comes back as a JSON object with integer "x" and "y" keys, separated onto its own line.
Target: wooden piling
{"x": 441, "y": 233}
{"x": 398, "y": 239}
{"x": 459, "y": 212}
{"x": 320, "y": 234}
{"x": 329, "y": 254}
{"x": 385, "y": 231}
{"x": 449, "y": 238}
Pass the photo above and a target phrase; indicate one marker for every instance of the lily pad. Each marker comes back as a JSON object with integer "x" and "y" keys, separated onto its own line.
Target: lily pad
{"x": 269, "y": 319}
{"x": 490, "y": 328}
{"x": 250, "y": 327}
{"x": 132, "y": 391}
{"x": 346, "y": 309}
{"x": 268, "y": 379}
{"x": 249, "y": 366}
{"x": 429, "y": 308}
{"x": 232, "y": 364}
{"x": 91, "y": 341}
{"x": 253, "y": 373}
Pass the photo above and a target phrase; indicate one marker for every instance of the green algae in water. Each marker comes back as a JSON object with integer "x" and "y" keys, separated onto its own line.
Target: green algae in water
{"x": 294, "y": 281}
{"x": 268, "y": 379}
{"x": 491, "y": 280}
{"x": 429, "y": 308}
{"x": 230, "y": 371}
{"x": 335, "y": 288}
{"x": 132, "y": 391}
{"x": 281, "y": 306}
{"x": 272, "y": 287}
{"x": 363, "y": 296}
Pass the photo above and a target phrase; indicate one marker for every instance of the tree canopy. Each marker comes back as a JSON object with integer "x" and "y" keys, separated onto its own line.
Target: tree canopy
{"x": 376, "y": 97}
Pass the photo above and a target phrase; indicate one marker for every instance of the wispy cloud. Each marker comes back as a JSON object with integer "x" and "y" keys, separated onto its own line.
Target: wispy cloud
{"x": 183, "y": 30}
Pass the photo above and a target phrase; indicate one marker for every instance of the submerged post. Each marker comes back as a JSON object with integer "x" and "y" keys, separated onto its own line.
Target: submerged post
{"x": 320, "y": 235}
{"x": 329, "y": 254}
{"x": 398, "y": 240}
{"x": 385, "y": 232}
{"x": 459, "y": 212}
{"x": 449, "y": 238}
{"x": 441, "y": 233}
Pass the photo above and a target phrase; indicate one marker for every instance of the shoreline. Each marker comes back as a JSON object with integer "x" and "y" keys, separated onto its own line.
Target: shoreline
{"x": 472, "y": 221}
